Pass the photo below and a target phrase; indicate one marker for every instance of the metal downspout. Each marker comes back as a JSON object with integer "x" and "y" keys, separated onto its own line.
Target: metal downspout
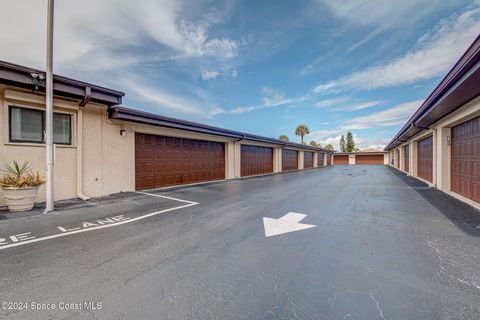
{"x": 80, "y": 194}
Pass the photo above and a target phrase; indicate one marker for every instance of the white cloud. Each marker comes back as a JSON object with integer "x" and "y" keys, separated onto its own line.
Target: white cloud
{"x": 104, "y": 41}
{"x": 88, "y": 26}
{"x": 167, "y": 101}
{"x": 385, "y": 14}
{"x": 271, "y": 98}
{"x": 434, "y": 55}
{"x": 334, "y": 141}
{"x": 331, "y": 102}
{"x": 222, "y": 71}
{"x": 209, "y": 74}
{"x": 361, "y": 143}
{"x": 359, "y": 106}
{"x": 225, "y": 48}
{"x": 340, "y": 104}
{"x": 393, "y": 116}
{"x": 330, "y": 87}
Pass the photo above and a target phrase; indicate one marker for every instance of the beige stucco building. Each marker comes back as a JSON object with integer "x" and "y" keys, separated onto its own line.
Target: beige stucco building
{"x": 440, "y": 143}
{"x": 102, "y": 148}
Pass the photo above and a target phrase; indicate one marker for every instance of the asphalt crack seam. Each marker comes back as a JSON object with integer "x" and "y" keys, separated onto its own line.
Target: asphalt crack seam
{"x": 379, "y": 309}
{"x": 442, "y": 273}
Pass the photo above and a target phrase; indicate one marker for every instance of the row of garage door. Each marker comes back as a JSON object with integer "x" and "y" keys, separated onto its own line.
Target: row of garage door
{"x": 359, "y": 159}
{"x": 165, "y": 161}
{"x": 465, "y": 159}
{"x": 424, "y": 158}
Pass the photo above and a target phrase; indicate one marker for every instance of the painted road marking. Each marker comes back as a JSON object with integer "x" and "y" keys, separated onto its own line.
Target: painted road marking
{"x": 26, "y": 238}
{"x": 165, "y": 197}
{"x": 290, "y": 222}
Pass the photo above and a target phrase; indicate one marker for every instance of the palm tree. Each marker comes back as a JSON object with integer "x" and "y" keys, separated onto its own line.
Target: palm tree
{"x": 302, "y": 130}
{"x": 283, "y": 137}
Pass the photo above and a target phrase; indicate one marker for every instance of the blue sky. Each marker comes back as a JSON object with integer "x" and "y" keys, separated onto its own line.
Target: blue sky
{"x": 257, "y": 66}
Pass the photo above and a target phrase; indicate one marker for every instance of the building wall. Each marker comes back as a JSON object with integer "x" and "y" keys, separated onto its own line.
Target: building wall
{"x": 100, "y": 160}
{"x": 351, "y": 159}
{"x": 65, "y": 156}
{"x": 441, "y": 132}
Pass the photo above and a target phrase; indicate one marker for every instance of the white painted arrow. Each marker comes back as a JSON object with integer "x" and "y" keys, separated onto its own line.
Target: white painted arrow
{"x": 288, "y": 223}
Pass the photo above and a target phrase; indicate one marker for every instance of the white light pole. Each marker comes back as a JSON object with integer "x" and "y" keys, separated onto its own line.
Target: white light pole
{"x": 49, "y": 110}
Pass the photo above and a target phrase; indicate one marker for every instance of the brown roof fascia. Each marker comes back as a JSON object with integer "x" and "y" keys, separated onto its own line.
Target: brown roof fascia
{"x": 21, "y": 76}
{"x": 133, "y": 115}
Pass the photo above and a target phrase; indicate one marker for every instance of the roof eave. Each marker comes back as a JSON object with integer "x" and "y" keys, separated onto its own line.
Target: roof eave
{"x": 137, "y": 116}
{"x": 458, "y": 87}
{"x": 20, "y": 76}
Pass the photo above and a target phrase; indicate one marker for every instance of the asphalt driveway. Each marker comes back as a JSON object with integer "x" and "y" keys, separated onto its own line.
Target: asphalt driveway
{"x": 384, "y": 246}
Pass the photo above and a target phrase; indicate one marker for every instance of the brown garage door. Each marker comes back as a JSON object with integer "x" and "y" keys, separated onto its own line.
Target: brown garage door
{"x": 164, "y": 161}
{"x": 256, "y": 160}
{"x": 320, "y": 159}
{"x": 425, "y": 159}
{"x": 340, "y": 159}
{"x": 406, "y": 160}
{"x": 289, "y": 160}
{"x": 369, "y": 159}
{"x": 329, "y": 159}
{"x": 307, "y": 160}
{"x": 466, "y": 159}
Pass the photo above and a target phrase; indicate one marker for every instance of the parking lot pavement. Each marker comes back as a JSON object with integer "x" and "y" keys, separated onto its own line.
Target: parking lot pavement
{"x": 380, "y": 246}
{"x": 95, "y": 215}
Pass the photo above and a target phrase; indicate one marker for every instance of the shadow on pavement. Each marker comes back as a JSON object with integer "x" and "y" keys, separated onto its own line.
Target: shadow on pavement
{"x": 464, "y": 216}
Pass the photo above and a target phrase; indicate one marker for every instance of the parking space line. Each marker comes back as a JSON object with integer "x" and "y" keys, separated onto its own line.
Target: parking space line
{"x": 165, "y": 197}
{"x": 127, "y": 220}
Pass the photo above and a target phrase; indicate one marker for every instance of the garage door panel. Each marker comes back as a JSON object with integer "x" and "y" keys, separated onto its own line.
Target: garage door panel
{"x": 289, "y": 160}
{"x": 406, "y": 163}
{"x": 465, "y": 152}
{"x": 256, "y": 160}
{"x": 425, "y": 159}
{"x": 369, "y": 159}
{"x": 320, "y": 159}
{"x": 164, "y": 161}
{"x": 340, "y": 159}
{"x": 307, "y": 160}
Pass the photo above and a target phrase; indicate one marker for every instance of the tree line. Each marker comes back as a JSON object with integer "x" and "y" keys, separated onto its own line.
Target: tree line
{"x": 302, "y": 130}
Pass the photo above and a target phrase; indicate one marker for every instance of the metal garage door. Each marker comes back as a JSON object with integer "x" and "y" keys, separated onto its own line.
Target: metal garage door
{"x": 164, "y": 161}
{"x": 307, "y": 160}
{"x": 329, "y": 159}
{"x": 465, "y": 174}
{"x": 340, "y": 159}
{"x": 256, "y": 160}
{"x": 369, "y": 159}
{"x": 320, "y": 159}
{"x": 425, "y": 159}
{"x": 406, "y": 160}
{"x": 289, "y": 160}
